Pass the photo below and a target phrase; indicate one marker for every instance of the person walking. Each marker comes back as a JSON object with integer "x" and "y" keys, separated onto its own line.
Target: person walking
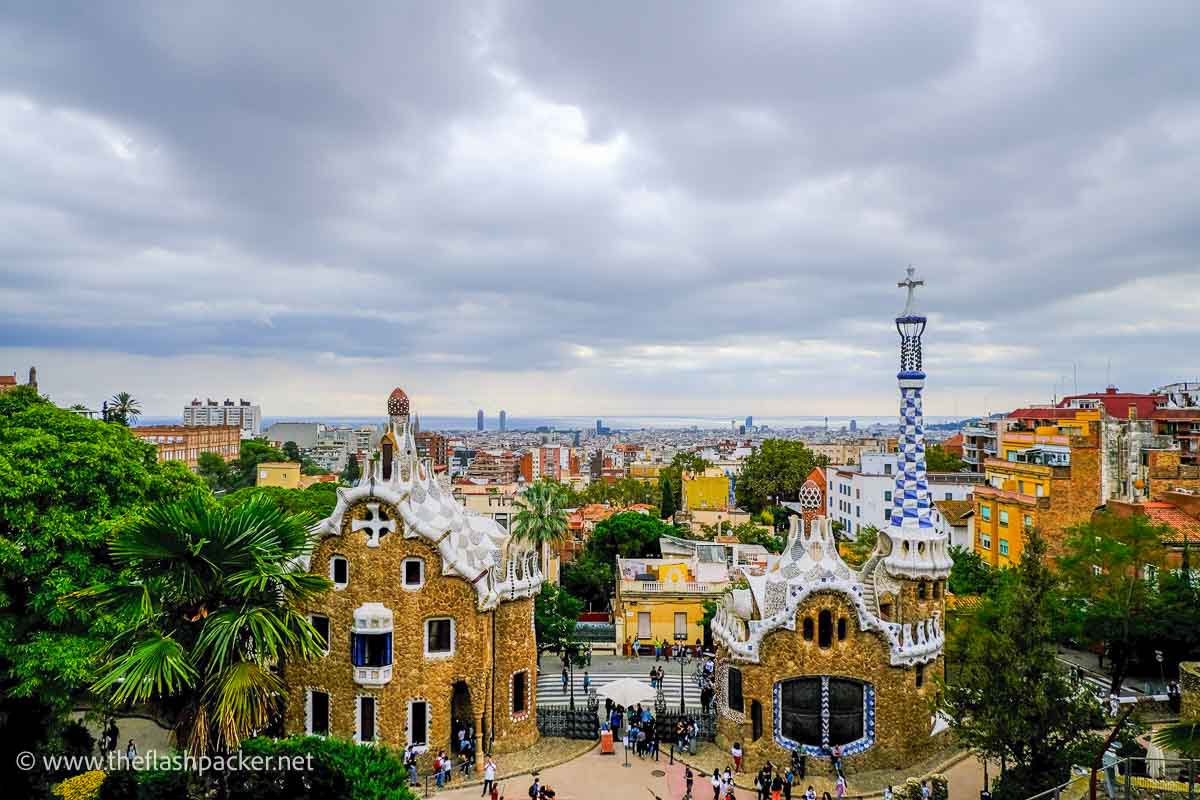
{"x": 535, "y": 789}
{"x": 925, "y": 790}
{"x": 439, "y": 779}
{"x": 653, "y": 678}
{"x": 565, "y": 677}
{"x": 587, "y": 682}
{"x": 840, "y": 787}
{"x": 637, "y": 643}
{"x": 736, "y": 752}
{"x": 716, "y": 784}
{"x": 688, "y": 780}
{"x": 789, "y": 778}
{"x": 776, "y": 787}
{"x": 131, "y": 750}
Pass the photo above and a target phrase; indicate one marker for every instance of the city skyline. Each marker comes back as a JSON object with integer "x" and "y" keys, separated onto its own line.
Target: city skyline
{"x": 524, "y": 203}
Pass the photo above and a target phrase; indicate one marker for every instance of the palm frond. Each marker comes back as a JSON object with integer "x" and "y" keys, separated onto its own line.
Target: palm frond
{"x": 231, "y": 634}
{"x": 153, "y": 668}
{"x": 1182, "y": 737}
{"x": 242, "y": 697}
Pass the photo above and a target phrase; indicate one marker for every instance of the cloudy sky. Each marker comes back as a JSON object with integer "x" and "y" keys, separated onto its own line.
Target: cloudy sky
{"x": 597, "y": 208}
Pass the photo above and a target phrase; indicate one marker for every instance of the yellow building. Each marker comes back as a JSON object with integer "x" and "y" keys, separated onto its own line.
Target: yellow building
{"x": 284, "y": 474}
{"x": 705, "y": 492}
{"x": 663, "y": 598}
{"x": 645, "y": 471}
{"x": 1047, "y": 476}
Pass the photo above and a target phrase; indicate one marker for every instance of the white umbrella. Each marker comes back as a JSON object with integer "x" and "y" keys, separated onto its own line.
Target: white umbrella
{"x": 627, "y": 692}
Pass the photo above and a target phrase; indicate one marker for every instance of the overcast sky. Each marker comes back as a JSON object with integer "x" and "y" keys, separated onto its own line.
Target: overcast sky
{"x": 597, "y": 208}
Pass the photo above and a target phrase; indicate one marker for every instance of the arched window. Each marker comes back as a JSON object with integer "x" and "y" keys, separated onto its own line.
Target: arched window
{"x": 756, "y": 728}
{"x": 921, "y": 590}
{"x": 841, "y": 629}
{"x": 808, "y": 629}
{"x": 825, "y": 628}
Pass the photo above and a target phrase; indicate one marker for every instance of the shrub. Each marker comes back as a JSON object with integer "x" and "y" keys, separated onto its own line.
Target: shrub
{"x": 85, "y": 786}
{"x": 339, "y": 769}
{"x": 939, "y": 787}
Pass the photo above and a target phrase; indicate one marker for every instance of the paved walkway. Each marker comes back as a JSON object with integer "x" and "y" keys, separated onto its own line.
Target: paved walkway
{"x": 551, "y": 692}
{"x": 598, "y": 777}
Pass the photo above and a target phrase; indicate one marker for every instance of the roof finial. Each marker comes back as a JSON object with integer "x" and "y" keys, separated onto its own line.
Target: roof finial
{"x": 910, "y": 284}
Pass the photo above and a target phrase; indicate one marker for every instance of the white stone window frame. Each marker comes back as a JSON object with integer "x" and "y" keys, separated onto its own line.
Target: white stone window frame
{"x": 519, "y": 716}
{"x": 433, "y": 656}
{"x": 408, "y": 720}
{"x": 332, "y": 560}
{"x": 308, "y": 713}
{"x": 404, "y": 584}
{"x": 328, "y": 628}
{"x": 375, "y": 713}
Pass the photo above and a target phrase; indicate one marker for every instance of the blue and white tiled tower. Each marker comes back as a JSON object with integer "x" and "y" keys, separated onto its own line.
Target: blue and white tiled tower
{"x": 918, "y": 551}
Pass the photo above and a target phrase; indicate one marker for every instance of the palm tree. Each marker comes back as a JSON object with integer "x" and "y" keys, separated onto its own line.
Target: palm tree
{"x": 210, "y": 598}
{"x": 542, "y": 520}
{"x": 123, "y": 408}
{"x": 1182, "y": 737}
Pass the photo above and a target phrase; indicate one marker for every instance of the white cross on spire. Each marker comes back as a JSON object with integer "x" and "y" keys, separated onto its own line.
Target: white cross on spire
{"x": 910, "y": 284}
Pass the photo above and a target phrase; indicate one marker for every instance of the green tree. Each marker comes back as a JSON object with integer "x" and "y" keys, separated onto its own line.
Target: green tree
{"x": 208, "y": 595}
{"x": 253, "y": 452}
{"x": 310, "y": 467}
{"x": 860, "y": 548}
{"x": 666, "y": 503}
{"x": 313, "y": 504}
{"x": 65, "y": 482}
{"x": 555, "y": 613}
{"x": 352, "y": 472}
{"x": 970, "y": 573}
{"x": 673, "y": 472}
{"x": 123, "y": 409}
{"x": 629, "y": 535}
{"x": 937, "y": 459}
{"x": 749, "y": 533}
{"x": 214, "y": 470}
{"x": 590, "y": 580}
{"x": 541, "y": 518}
{"x": 1011, "y": 702}
{"x": 1109, "y": 570}
{"x": 774, "y": 472}
{"x": 291, "y": 451}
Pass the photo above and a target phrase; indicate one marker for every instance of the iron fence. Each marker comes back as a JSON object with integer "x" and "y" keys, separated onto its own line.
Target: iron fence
{"x": 1133, "y": 779}
{"x": 562, "y": 721}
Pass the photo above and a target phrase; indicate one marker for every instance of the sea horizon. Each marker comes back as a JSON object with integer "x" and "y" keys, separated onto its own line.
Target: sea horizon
{"x": 571, "y": 423}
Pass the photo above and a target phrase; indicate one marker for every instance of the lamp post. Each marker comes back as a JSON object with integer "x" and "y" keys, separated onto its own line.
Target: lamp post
{"x": 681, "y": 657}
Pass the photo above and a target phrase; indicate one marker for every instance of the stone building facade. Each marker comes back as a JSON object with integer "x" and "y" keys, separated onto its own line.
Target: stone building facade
{"x": 429, "y": 624}
{"x": 815, "y": 655}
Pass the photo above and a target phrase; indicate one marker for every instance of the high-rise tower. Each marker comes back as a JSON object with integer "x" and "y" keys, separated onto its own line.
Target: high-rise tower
{"x": 479, "y": 420}
{"x": 917, "y": 551}
{"x": 503, "y": 420}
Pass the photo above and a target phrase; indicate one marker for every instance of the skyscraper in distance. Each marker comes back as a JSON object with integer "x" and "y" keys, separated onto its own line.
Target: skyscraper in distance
{"x": 749, "y": 422}
{"x": 479, "y": 420}
{"x": 599, "y": 426}
{"x": 503, "y": 420}
{"x": 853, "y": 425}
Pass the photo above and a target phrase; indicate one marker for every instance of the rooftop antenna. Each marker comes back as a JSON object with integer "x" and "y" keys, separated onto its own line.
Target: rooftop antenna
{"x": 1108, "y": 373}
{"x": 1075, "y": 372}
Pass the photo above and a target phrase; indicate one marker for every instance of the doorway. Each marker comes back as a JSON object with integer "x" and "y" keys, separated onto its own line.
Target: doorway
{"x": 462, "y": 718}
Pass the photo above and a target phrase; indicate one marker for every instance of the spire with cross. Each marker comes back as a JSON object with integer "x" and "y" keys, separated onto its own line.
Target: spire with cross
{"x": 911, "y": 284}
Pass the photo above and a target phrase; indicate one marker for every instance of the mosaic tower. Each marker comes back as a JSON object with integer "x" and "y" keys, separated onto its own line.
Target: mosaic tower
{"x": 917, "y": 550}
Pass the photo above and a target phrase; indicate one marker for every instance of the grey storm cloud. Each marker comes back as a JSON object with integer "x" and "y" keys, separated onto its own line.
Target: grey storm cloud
{"x": 618, "y": 207}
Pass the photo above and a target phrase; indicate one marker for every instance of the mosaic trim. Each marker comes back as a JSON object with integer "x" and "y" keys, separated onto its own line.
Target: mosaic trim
{"x": 849, "y": 749}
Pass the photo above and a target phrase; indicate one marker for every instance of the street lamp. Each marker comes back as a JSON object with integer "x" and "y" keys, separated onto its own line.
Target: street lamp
{"x": 681, "y": 657}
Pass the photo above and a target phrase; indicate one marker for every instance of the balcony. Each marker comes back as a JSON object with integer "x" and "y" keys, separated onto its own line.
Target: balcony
{"x": 975, "y": 430}
{"x": 373, "y": 676}
{"x": 673, "y": 587}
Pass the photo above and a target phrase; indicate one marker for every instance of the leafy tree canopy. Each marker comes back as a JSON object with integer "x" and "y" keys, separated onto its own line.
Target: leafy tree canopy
{"x": 937, "y": 459}
{"x": 860, "y": 548}
{"x": 1010, "y": 699}
{"x": 253, "y": 453}
{"x": 1115, "y": 605}
{"x": 774, "y": 472}
{"x": 315, "y": 503}
{"x": 629, "y": 535}
{"x": 555, "y": 612}
{"x": 589, "y": 579}
{"x": 970, "y": 574}
{"x": 66, "y": 482}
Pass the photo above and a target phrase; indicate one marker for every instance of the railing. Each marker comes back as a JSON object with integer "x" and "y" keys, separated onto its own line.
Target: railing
{"x": 668, "y": 587}
{"x": 579, "y": 723}
{"x": 372, "y": 676}
{"x": 1131, "y": 779}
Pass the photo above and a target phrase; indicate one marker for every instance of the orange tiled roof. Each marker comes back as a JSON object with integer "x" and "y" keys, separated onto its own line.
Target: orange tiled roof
{"x": 8, "y": 380}
{"x": 817, "y": 476}
{"x": 1180, "y": 522}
